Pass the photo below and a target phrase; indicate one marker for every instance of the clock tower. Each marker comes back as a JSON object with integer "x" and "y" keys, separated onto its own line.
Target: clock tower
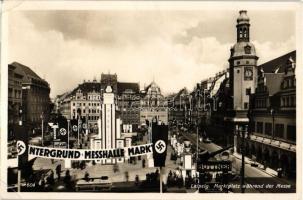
{"x": 242, "y": 67}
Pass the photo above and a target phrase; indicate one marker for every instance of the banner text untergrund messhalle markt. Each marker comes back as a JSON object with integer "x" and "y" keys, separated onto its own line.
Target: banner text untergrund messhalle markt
{"x": 88, "y": 154}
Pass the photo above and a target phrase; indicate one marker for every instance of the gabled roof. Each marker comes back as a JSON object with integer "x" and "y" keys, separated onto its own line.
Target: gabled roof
{"x": 122, "y": 86}
{"x": 279, "y": 64}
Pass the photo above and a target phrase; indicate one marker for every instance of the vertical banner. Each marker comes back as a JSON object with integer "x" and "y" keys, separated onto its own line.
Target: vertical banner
{"x": 21, "y": 133}
{"x": 159, "y": 139}
{"x": 62, "y": 130}
{"x": 84, "y": 124}
{"x": 74, "y": 127}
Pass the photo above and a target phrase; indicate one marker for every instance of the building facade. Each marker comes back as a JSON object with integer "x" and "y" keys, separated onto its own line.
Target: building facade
{"x": 272, "y": 140}
{"x": 34, "y": 96}
{"x": 153, "y": 104}
{"x": 15, "y": 77}
{"x": 85, "y": 100}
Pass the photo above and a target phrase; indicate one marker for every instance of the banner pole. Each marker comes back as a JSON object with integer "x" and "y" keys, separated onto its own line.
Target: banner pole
{"x": 68, "y": 122}
{"x": 161, "y": 189}
{"x": 42, "y": 134}
{"x": 78, "y": 134}
{"x": 19, "y": 180}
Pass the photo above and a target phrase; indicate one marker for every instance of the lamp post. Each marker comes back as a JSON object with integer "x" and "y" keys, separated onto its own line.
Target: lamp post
{"x": 241, "y": 133}
{"x": 42, "y": 138}
{"x": 272, "y": 112}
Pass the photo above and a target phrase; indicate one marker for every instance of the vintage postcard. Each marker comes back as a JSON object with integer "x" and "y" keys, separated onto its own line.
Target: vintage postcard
{"x": 150, "y": 100}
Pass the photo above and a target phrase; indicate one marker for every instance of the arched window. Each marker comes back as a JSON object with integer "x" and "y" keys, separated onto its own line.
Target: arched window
{"x": 244, "y": 32}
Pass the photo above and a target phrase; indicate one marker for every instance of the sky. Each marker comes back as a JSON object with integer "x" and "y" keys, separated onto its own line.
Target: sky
{"x": 175, "y": 48}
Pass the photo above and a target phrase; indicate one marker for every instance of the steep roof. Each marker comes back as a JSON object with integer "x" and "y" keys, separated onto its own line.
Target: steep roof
{"x": 87, "y": 87}
{"x": 122, "y": 86}
{"x": 28, "y": 74}
{"x": 279, "y": 64}
{"x": 273, "y": 82}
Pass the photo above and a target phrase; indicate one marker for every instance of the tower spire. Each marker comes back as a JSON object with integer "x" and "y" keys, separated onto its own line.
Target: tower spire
{"x": 243, "y": 27}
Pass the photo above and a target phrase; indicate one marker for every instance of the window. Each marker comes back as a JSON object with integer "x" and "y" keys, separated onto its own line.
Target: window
{"x": 292, "y": 101}
{"x": 291, "y": 133}
{"x": 245, "y": 105}
{"x": 260, "y": 127}
{"x": 253, "y": 126}
{"x": 83, "y": 104}
{"x": 74, "y": 104}
{"x": 248, "y": 91}
{"x": 268, "y": 128}
{"x": 279, "y": 130}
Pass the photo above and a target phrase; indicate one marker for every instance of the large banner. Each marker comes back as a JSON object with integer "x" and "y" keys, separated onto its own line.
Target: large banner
{"x": 159, "y": 138}
{"x": 83, "y": 154}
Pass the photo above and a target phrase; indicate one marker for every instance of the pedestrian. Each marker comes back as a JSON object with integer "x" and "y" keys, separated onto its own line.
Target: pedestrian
{"x": 86, "y": 176}
{"x": 67, "y": 179}
{"x": 143, "y": 163}
{"x": 50, "y": 179}
{"x": 58, "y": 171}
{"x": 126, "y": 176}
{"x": 137, "y": 180}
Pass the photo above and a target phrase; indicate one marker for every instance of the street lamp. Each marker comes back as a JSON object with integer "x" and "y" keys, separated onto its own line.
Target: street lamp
{"x": 42, "y": 117}
{"x": 241, "y": 133}
{"x": 272, "y": 112}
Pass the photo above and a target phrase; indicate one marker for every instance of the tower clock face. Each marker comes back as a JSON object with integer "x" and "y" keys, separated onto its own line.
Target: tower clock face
{"x": 248, "y": 73}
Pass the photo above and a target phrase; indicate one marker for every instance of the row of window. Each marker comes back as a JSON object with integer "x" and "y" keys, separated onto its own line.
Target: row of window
{"x": 90, "y": 117}
{"x": 14, "y": 93}
{"x": 89, "y": 111}
{"x": 288, "y": 101}
{"x": 89, "y": 104}
{"x": 260, "y": 103}
{"x": 277, "y": 130}
{"x": 289, "y": 83}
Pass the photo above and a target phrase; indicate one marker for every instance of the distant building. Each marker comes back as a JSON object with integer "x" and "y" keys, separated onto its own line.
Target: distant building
{"x": 153, "y": 104}
{"x": 178, "y": 107}
{"x": 128, "y": 95}
{"x": 85, "y": 100}
{"x": 35, "y": 94}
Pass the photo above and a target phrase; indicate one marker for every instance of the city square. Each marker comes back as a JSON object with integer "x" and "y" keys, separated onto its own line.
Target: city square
{"x": 232, "y": 131}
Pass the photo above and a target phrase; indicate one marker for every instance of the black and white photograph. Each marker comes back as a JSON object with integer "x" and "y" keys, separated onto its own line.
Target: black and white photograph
{"x": 150, "y": 98}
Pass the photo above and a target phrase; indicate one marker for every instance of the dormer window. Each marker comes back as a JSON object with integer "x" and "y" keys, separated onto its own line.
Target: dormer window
{"x": 247, "y": 49}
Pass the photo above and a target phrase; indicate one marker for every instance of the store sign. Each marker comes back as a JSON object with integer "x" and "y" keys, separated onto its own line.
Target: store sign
{"x": 215, "y": 166}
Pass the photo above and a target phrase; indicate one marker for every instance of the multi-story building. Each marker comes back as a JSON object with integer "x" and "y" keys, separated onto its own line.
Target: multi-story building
{"x": 128, "y": 95}
{"x": 153, "y": 104}
{"x": 272, "y": 138}
{"x": 86, "y": 99}
{"x": 179, "y": 107}
{"x": 35, "y": 95}
{"x": 15, "y": 77}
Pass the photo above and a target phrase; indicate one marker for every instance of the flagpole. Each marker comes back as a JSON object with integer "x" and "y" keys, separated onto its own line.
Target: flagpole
{"x": 42, "y": 129}
{"x": 68, "y": 122}
{"x": 161, "y": 189}
{"x": 78, "y": 134}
